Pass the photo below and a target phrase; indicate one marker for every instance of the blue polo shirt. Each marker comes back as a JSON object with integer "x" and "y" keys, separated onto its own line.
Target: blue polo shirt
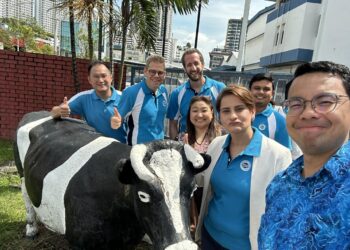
{"x": 227, "y": 220}
{"x": 272, "y": 124}
{"x": 181, "y": 96}
{"x": 98, "y": 112}
{"x": 144, "y": 112}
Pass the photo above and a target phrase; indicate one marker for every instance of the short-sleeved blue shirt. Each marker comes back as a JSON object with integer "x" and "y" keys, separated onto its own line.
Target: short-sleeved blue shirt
{"x": 181, "y": 97}
{"x": 272, "y": 124}
{"x": 98, "y": 112}
{"x": 309, "y": 213}
{"x": 144, "y": 112}
{"x": 227, "y": 220}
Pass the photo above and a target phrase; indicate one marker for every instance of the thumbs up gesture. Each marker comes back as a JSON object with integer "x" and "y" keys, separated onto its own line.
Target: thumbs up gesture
{"x": 116, "y": 119}
{"x": 64, "y": 108}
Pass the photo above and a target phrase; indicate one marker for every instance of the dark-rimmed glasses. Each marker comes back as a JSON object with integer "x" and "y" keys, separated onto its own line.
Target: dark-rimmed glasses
{"x": 322, "y": 103}
{"x": 153, "y": 72}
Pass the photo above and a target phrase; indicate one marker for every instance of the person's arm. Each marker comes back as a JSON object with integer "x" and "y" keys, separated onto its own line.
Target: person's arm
{"x": 62, "y": 110}
{"x": 173, "y": 131}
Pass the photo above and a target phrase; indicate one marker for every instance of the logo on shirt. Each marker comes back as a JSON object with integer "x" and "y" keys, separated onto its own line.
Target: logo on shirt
{"x": 165, "y": 103}
{"x": 245, "y": 165}
{"x": 262, "y": 126}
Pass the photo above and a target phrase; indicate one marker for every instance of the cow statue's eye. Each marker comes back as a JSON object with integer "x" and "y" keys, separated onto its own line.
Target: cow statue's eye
{"x": 144, "y": 197}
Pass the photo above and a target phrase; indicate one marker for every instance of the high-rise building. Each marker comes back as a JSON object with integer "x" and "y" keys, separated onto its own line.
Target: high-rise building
{"x": 41, "y": 10}
{"x": 46, "y": 15}
{"x": 169, "y": 41}
{"x": 169, "y": 24}
{"x": 16, "y": 8}
{"x": 233, "y": 34}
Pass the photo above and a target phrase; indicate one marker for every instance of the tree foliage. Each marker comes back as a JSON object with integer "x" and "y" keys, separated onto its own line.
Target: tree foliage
{"x": 22, "y": 34}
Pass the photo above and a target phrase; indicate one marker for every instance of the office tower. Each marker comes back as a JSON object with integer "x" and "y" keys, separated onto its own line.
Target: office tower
{"x": 233, "y": 34}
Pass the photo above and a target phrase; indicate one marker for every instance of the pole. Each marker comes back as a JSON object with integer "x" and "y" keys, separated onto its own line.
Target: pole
{"x": 243, "y": 35}
{"x": 198, "y": 21}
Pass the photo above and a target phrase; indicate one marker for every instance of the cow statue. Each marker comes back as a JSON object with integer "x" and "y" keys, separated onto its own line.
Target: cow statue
{"x": 102, "y": 194}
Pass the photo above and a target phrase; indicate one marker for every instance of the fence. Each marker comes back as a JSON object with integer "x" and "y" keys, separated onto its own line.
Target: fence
{"x": 176, "y": 76}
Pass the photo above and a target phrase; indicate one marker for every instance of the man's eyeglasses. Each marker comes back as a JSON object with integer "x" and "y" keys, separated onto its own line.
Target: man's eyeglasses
{"x": 322, "y": 104}
{"x": 153, "y": 72}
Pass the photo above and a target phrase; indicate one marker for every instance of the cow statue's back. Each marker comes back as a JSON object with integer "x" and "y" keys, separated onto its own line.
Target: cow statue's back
{"x": 100, "y": 193}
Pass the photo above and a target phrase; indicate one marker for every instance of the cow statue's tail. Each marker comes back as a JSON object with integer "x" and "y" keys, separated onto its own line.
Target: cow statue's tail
{"x": 17, "y": 159}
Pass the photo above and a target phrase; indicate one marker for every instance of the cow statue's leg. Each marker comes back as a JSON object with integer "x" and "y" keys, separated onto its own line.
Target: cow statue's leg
{"x": 32, "y": 225}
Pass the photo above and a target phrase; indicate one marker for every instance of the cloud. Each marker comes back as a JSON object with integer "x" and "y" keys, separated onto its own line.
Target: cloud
{"x": 213, "y": 23}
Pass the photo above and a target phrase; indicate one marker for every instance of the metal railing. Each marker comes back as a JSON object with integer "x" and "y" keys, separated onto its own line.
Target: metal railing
{"x": 176, "y": 76}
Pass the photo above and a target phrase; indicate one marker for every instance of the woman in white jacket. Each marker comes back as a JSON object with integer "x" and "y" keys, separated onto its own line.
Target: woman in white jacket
{"x": 243, "y": 163}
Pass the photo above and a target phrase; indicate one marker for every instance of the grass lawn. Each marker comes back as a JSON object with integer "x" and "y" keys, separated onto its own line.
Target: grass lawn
{"x": 12, "y": 221}
{"x": 6, "y": 154}
{"x": 12, "y": 212}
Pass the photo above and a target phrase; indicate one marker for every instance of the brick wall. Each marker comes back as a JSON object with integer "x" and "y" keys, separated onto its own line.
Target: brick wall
{"x": 33, "y": 82}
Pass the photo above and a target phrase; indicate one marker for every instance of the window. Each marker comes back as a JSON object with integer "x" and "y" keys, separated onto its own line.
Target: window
{"x": 282, "y": 32}
{"x": 277, "y": 35}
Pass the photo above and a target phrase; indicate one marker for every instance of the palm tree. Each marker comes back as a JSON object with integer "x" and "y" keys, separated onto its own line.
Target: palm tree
{"x": 63, "y": 6}
{"x": 139, "y": 15}
{"x": 183, "y": 7}
{"x": 110, "y": 39}
{"x": 85, "y": 12}
{"x": 100, "y": 27}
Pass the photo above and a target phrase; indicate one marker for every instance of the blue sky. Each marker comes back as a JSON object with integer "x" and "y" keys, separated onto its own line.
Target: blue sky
{"x": 213, "y": 25}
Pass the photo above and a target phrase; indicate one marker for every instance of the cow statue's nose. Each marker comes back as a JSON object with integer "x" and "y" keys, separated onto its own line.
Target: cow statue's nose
{"x": 186, "y": 244}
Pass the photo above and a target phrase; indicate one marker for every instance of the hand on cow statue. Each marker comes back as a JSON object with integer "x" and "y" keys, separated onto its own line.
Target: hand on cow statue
{"x": 62, "y": 110}
{"x": 116, "y": 119}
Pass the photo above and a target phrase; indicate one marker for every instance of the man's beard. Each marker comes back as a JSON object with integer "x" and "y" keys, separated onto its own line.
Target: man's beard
{"x": 197, "y": 77}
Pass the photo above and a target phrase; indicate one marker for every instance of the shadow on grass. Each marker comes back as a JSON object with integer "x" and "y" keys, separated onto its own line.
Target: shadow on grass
{"x": 15, "y": 238}
{"x": 9, "y": 190}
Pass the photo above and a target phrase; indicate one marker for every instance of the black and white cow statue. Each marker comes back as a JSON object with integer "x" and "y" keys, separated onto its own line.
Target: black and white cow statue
{"x": 102, "y": 194}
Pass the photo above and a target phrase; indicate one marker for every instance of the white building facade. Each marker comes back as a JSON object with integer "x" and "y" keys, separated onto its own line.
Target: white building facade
{"x": 255, "y": 40}
{"x": 300, "y": 31}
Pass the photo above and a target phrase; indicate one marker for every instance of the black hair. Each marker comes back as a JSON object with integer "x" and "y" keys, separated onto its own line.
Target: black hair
{"x": 261, "y": 76}
{"x": 332, "y": 68}
{"x": 94, "y": 63}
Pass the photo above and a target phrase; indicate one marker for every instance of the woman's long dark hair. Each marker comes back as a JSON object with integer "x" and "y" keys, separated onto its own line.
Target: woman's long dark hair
{"x": 213, "y": 128}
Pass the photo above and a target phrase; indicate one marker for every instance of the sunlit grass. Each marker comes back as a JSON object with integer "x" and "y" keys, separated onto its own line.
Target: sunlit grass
{"x": 12, "y": 211}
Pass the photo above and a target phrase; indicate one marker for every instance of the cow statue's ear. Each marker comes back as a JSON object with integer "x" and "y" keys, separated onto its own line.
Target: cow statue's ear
{"x": 197, "y": 162}
{"x": 126, "y": 173}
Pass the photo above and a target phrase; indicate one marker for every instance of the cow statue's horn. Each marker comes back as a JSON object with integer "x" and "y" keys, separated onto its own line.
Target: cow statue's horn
{"x": 137, "y": 154}
{"x": 193, "y": 156}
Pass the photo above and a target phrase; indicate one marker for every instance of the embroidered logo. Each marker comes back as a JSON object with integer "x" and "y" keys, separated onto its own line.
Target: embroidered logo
{"x": 245, "y": 165}
{"x": 262, "y": 126}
